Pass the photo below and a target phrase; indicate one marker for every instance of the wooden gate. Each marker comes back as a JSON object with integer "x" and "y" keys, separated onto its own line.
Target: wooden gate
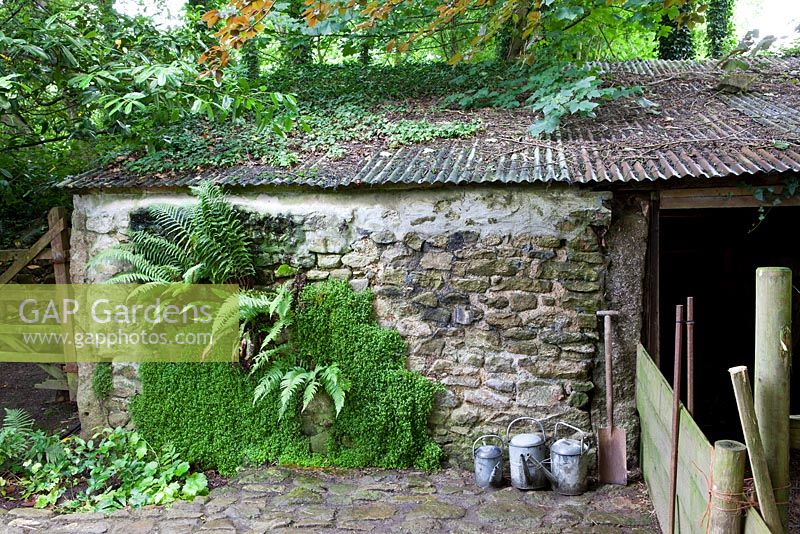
{"x": 654, "y": 403}
{"x": 52, "y": 246}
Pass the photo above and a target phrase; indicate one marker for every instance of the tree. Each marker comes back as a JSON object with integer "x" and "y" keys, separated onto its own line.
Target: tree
{"x": 78, "y": 79}
{"x": 524, "y": 27}
{"x": 720, "y": 30}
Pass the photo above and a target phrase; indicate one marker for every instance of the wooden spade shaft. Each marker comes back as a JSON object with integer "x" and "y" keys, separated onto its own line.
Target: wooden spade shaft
{"x": 612, "y": 440}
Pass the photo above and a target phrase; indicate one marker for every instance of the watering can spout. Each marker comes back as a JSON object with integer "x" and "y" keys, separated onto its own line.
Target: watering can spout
{"x": 546, "y": 472}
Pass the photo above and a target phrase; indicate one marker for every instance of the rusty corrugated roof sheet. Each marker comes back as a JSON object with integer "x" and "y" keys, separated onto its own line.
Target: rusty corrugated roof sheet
{"x": 622, "y": 145}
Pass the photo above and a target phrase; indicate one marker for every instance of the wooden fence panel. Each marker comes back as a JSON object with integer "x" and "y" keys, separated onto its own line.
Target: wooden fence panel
{"x": 654, "y": 403}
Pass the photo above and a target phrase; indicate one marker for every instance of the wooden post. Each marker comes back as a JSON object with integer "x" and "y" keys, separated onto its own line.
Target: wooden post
{"x": 676, "y": 417}
{"x": 771, "y": 374}
{"x": 57, "y": 218}
{"x": 690, "y": 355}
{"x": 755, "y": 449}
{"x": 727, "y": 475}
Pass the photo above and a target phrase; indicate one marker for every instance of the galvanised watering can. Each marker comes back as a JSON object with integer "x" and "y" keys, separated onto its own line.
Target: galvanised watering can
{"x": 488, "y": 462}
{"x": 522, "y": 450}
{"x": 567, "y": 463}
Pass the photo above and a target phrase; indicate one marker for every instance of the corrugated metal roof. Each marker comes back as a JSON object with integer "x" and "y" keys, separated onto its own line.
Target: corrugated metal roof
{"x": 624, "y": 145}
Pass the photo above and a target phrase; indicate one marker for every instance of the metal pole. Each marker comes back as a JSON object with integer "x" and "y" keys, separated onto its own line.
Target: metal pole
{"x": 676, "y": 406}
{"x": 690, "y": 355}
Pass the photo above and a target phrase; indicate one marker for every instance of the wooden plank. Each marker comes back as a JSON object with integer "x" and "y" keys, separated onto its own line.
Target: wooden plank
{"x": 718, "y": 197}
{"x": 794, "y": 431}
{"x": 60, "y": 243}
{"x": 654, "y": 402}
{"x": 59, "y": 385}
{"x": 32, "y": 357}
{"x": 653, "y": 298}
{"x": 34, "y": 251}
{"x": 53, "y": 369}
{"x": 14, "y": 253}
{"x": 60, "y": 247}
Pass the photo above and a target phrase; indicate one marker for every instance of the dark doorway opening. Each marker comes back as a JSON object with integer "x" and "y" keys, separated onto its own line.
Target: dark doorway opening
{"x": 712, "y": 255}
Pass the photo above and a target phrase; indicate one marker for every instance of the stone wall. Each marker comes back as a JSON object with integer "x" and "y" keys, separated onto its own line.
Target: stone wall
{"x": 494, "y": 288}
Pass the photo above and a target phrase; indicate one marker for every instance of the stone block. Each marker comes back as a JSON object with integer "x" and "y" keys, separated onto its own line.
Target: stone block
{"x": 341, "y": 274}
{"x": 359, "y": 284}
{"x": 547, "y": 241}
{"x": 500, "y": 383}
{"x": 428, "y": 299}
{"x": 519, "y": 283}
{"x": 536, "y": 393}
{"x": 558, "y": 368}
{"x": 521, "y": 301}
{"x": 487, "y": 397}
{"x": 461, "y": 380}
{"x": 565, "y": 270}
{"x": 383, "y": 237}
{"x": 465, "y": 315}
{"x": 494, "y": 267}
{"x": 523, "y": 332}
{"x": 483, "y": 339}
{"x": 328, "y": 261}
{"x": 499, "y": 363}
{"x": 502, "y": 319}
{"x": 494, "y": 300}
{"x": 413, "y": 241}
{"x": 365, "y": 252}
{"x": 316, "y": 274}
{"x": 436, "y": 260}
{"x": 326, "y": 242}
{"x": 470, "y": 285}
{"x": 437, "y": 315}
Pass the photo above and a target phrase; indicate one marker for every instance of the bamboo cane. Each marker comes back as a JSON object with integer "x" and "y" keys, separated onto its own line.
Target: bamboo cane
{"x": 755, "y": 449}
{"x": 690, "y": 355}
{"x": 727, "y": 474}
{"x": 676, "y": 413}
{"x": 771, "y": 375}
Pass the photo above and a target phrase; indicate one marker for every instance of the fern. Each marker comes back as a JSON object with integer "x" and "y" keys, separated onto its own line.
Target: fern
{"x": 335, "y": 385}
{"x": 18, "y": 420}
{"x": 203, "y": 243}
{"x": 15, "y": 437}
{"x": 290, "y": 381}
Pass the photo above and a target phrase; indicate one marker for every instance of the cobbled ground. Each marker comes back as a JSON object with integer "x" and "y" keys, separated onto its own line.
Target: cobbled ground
{"x": 277, "y": 500}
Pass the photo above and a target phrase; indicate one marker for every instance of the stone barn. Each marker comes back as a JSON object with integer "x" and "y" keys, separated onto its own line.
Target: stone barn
{"x": 491, "y": 254}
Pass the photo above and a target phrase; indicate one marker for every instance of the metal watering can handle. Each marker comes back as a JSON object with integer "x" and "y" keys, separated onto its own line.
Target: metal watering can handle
{"x": 583, "y": 434}
{"x": 508, "y": 430}
{"x": 475, "y": 449}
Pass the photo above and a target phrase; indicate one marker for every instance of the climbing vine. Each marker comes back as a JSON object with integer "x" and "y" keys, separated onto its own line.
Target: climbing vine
{"x": 720, "y": 30}
{"x": 102, "y": 380}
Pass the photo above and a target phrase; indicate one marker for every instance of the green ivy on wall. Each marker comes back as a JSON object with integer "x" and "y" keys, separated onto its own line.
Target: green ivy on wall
{"x": 102, "y": 380}
{"x": 207, "y": 411}
{"x": 720, "y": 29}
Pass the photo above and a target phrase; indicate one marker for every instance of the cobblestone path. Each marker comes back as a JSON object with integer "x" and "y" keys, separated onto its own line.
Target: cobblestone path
{"x": 278, "y": 500}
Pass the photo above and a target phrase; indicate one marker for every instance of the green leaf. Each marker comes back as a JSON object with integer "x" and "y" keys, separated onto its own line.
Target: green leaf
{"x": 780, "y": 144}
{"x": 196, "y": 484}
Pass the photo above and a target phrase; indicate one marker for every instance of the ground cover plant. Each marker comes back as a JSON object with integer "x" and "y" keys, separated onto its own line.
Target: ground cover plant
{"x": 114, "y": 469}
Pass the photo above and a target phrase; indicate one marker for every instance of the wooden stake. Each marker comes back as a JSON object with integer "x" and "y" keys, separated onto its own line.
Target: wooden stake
{"x": 771, "y": 374}
{"x": 676, "y": 416}
{"x": 755, "y": 449}
{"x": 690, "y": 355}
{"x": 727, "y": 474}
